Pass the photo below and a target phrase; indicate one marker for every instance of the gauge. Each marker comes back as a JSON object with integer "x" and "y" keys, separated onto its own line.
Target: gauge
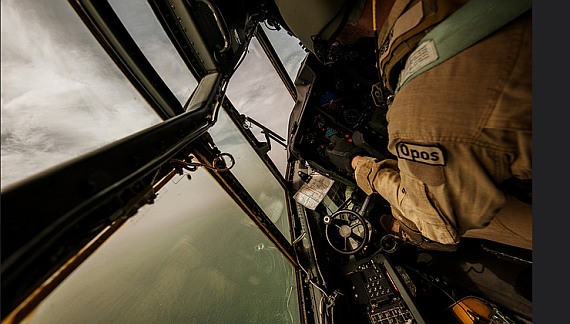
{"x": 351, "y": 116}
{"x": 319, "y": 123}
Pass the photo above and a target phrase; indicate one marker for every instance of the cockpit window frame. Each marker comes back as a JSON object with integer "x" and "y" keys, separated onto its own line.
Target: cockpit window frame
{"x": 105, "y": 25}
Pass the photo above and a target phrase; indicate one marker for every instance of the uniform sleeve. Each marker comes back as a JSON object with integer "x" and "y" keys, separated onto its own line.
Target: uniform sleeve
{"x": 372, "y": 174}
{"x": 408, "y": 198}
{"x": 442, "y": 201}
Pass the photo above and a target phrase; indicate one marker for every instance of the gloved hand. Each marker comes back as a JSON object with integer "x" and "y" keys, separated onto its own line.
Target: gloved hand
{"x": 341, "y": 152}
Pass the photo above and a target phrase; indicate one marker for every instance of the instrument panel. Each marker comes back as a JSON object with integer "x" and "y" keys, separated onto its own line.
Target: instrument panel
{"x": 337, "y": 103}
{"x": 380, "y": 292}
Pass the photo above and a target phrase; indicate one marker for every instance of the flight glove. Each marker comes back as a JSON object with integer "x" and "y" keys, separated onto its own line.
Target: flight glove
{"x": 340, "y": 152}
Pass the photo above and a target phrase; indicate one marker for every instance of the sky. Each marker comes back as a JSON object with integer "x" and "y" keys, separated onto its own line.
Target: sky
{"x": 61, "y": 96}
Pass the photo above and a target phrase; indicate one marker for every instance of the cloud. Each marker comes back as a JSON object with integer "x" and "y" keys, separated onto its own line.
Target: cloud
{"x": 257, "y": 91}
{"x": 61, "y": 97}
{"x": 144, "y": 28}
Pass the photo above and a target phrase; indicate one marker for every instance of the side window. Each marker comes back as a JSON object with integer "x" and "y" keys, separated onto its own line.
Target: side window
{"x": 194, "y": 260}
{"x": 62, "y": 96}
{"x": 144, "y": 28}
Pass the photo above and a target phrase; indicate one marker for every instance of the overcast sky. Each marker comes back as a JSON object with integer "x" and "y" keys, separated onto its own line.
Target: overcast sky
{"x": 62, "y": 96}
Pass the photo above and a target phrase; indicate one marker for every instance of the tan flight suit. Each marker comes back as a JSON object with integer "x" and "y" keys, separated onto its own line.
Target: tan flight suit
{"x": 459, "y": 130}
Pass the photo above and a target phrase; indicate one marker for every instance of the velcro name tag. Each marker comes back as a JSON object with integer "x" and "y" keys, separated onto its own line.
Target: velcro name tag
{"x": 420, "y": 153}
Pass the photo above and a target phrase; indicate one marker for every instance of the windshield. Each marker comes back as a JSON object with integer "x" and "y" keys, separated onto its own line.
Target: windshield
{"x": 257, "y": 91}
{"x": 191, "y": 256}
{"x": 252, "y": 174}
{"x": 62, "y": 96}
{"x": 288, "y": 49}
{"x": 144, "y": 28}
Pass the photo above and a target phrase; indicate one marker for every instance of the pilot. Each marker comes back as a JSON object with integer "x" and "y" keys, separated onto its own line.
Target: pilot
{"x": 461, "y": 130}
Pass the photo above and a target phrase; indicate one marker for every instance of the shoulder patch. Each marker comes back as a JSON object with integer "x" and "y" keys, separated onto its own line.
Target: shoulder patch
{"x": 420, "y": 153}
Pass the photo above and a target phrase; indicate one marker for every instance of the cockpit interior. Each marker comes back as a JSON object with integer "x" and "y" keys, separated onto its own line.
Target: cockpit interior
{"x": 337, "y": 263}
